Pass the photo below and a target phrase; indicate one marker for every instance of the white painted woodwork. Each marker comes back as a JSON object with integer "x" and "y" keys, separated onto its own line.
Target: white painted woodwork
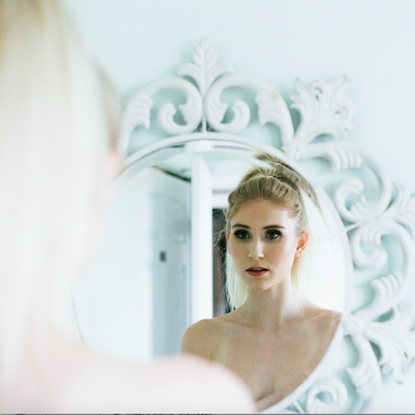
{"x": 202, "y": 266}
{"x": 326, "y": 111}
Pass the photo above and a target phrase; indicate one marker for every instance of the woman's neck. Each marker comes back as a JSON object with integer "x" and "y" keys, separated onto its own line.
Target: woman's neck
{"x": 273, "y": 307}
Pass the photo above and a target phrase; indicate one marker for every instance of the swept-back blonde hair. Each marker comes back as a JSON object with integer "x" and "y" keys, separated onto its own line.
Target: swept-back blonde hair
{"x": 281, "y": 184}
{"x": 54, "y": 142}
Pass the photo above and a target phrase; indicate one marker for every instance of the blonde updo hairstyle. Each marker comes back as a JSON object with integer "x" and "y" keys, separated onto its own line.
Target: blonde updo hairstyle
{"x": 281, "y": 184}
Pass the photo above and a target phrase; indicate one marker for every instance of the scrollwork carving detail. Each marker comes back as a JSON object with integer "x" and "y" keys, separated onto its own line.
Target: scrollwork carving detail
{"x": 363, "y": 210}
{"x": 342, "y": 155}
{"x": 336, "y": 390}
{"x": 395, "y": 339}
{"x": 325, "y": 109}
{"x": 137, "y": 112}
{"x": 388, "y": 290}
{"x": 395, "y": 336}
{"x": 205, "y": 68}
{"x": 271, "y": 107}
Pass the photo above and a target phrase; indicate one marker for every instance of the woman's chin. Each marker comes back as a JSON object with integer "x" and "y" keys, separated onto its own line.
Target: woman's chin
{"x": 264, "y": 283}
{"x": 258, "y": 284}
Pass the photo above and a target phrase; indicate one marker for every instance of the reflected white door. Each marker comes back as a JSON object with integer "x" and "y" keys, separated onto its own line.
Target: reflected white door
{"x": 170, "y": 238}
{"x": 134, "y": 301}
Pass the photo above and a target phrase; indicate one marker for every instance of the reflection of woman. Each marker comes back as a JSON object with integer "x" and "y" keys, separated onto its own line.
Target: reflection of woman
{"x": 274, "y": 338}
{"x": 56, "y": 164}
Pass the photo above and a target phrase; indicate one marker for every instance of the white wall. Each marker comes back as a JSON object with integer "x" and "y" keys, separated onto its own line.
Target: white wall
{"x": 278, "y": 41}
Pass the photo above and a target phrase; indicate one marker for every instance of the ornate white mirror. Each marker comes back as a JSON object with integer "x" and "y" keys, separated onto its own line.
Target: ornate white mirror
{"x": 159, "y": 255}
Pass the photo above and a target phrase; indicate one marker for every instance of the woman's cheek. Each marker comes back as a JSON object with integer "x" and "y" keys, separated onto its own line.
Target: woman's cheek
{"x": 281, "y": 253}
{"x": 236, "y": 252}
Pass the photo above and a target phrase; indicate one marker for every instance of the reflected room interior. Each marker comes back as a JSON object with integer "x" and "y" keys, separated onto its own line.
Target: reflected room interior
{"x": 162, "y": 265}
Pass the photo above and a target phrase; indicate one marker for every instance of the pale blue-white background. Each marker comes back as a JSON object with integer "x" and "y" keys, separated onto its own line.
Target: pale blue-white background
{"x": 277, "y": 42}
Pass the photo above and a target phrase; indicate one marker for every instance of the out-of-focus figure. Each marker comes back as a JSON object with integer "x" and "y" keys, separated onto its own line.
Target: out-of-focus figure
{"x": 57, "y": 160}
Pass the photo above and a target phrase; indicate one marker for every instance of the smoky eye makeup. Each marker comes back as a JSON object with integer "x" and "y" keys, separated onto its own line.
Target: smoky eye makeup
{"x": 273, "y": 234}
{"x": 242, "y": 234}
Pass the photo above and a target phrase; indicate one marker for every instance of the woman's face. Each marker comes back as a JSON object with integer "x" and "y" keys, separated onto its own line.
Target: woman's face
{"x": 263, "y": 244}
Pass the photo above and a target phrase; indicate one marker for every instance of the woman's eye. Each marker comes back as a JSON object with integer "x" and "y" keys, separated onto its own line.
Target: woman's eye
{"x": 241, "y": 234}
{"x": 273, "y": 234}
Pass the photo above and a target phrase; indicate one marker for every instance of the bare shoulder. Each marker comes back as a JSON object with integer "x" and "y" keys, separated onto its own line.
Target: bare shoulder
{"x": 321, "y": 313}
{"x": 76, "y": 379}
{"x": 202, "y": 338}
{"x": 207, "y": 387}
{"x": 185, "y": 384}
{"x": 329, "y": 317}
{"x": 210, "y": 382}
{"x": 324, "y": 320}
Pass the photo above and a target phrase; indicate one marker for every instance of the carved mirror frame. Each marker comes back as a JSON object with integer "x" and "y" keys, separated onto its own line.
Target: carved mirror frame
{"x": 375, "y": 339}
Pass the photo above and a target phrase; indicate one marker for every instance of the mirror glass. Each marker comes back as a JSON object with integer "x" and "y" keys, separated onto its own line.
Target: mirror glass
{"x": 162, "y": 265}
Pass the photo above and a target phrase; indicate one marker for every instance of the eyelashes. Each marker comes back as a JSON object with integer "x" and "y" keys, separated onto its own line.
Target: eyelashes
{"x": 242, "y": 234}
{"x": 271, "y": 234}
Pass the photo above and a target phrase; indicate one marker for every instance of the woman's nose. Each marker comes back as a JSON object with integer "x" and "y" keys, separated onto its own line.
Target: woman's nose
{"x": 256, "y": 250}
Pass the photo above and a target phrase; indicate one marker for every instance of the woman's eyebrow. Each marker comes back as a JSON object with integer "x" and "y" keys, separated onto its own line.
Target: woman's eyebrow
{"x": 273, "y": 227}
{"x": 239, "y": 225}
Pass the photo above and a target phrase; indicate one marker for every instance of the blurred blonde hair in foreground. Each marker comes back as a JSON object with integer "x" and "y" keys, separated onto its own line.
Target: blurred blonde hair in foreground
{"x": 57, "y": 120}
{"x": 54, "y": 143}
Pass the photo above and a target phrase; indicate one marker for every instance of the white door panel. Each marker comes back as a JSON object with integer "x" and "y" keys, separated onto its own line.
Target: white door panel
{"x": 142, "y": 272}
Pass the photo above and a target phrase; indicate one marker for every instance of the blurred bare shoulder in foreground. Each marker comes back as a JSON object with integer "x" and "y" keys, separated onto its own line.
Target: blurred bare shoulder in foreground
{"x": 57, "y": 161}
{"x": 74, "y": 379}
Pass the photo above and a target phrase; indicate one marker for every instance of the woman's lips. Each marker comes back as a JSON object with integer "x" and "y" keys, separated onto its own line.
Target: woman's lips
{"x": 257, "y": 271}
